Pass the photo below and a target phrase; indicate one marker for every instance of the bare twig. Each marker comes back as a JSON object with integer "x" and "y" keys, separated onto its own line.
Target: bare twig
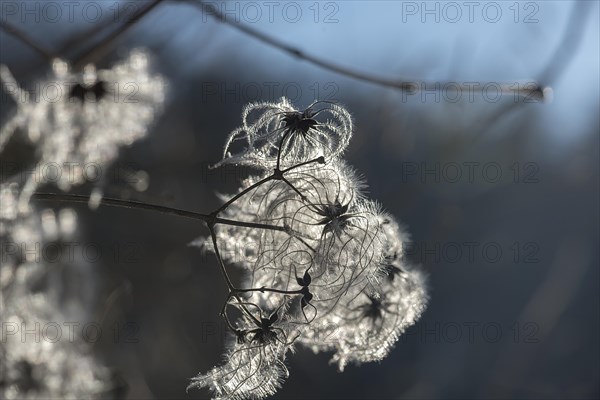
{"x": 209, "y": 219}
{"x": 23, "y": 37}
{"x": 571, "y": 40}
{"x": 92, "y": 32}
{"x": 76, "y": 198}
{"x": 213, "y": 236}
{"x": 558, "y": 62}
{"x": 96, "y": 51}
{"x": 530, "y": 90}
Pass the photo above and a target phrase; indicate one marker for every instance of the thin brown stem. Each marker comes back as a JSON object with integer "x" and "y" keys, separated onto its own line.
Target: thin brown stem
{"x": 266, "y": 289}
{"x": 211, "y": 220}
{"x": 304, "y": 243}
{"x": 206, "y": 218}
{"x": 277, "y": 175}
{"x": 107, "y": 201}
{"x": 320, "y": 160}
{"x": 244, "y": 224}
{"x": 242, "y": 193}
{"x": 294, "y": 188}
{"x": 279, "y": 152}
{"x": 213, "y": 235}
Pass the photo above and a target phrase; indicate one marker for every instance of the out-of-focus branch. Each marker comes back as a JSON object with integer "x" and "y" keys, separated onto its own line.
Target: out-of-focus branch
{"x": 99, "y": 48}
{"x": 531, "y": 90}
{"x": 558, "y": 62}
{"x": 571, "y": 39}
{"x": 209, "y": 219}
{"x": 92, "y": 32}
{"x": 23, "y": 37}
{"x": 94, "y": 52}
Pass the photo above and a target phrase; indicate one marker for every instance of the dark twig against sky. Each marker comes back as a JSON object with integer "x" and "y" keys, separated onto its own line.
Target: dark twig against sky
{"x": 96, "y": 52}
{"x": 531, "y": 90}
{"x": 23, "y": 37}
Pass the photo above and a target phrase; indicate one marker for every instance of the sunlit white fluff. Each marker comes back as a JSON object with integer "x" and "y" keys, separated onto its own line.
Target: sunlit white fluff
{"x": 80, "y": 120}
{"x": 336, "y": 261}
{"x": 365, "y": 324}
{"x": 254, "y": 365}
{"x": 34, "y": 366}
{"x": 272, "y": 128}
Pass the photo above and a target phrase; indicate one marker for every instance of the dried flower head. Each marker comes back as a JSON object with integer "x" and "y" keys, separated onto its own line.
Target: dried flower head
{"x": 254, "y": 366}
{"x": 32, "y": 299}
{"x": 82, "y": 119}
{"x": 314, "y": 248}
{"x": 279, "y": 135}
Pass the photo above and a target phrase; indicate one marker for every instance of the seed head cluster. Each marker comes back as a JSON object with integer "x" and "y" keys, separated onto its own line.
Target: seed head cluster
{"x": 72, "y": 118}
{"x": 323, "y": 263}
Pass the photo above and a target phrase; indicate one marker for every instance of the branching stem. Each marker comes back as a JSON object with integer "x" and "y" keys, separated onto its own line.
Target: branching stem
{"x": 266, "y": 289}
{"x": 211, "y": 220}
{"x": 108, "y": 201}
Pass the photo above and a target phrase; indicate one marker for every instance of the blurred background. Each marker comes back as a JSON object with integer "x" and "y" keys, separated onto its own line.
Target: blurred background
{"x": 499, "y": 192}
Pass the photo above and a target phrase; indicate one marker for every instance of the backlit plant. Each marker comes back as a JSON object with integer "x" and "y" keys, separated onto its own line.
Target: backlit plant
{"x": 323, "y": 263}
